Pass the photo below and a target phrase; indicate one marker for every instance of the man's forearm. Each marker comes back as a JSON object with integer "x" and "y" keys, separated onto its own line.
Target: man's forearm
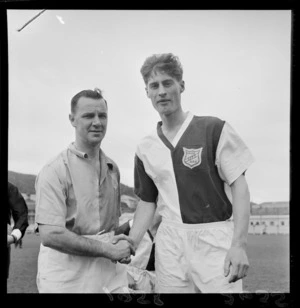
{"x": 241, "y": 211}
{"x": 142, "y": 220}
{"x": 69, "y": 242}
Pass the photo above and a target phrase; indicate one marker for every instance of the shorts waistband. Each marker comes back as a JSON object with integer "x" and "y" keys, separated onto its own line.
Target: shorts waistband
{"x": 217, "y": 224}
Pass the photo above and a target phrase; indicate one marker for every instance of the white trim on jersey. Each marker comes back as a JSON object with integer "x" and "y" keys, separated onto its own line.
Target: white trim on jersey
{"x": 182, "y": 129}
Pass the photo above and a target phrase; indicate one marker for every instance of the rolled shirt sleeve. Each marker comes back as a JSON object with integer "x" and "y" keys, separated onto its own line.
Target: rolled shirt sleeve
{"x": 50, "y": 198}
{"x": 233, "y": 157}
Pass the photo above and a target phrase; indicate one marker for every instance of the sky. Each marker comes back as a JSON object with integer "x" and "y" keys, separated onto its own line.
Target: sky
{"x": 236, "y": 67}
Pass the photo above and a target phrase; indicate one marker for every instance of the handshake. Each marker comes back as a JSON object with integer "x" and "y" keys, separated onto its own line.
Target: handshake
{"x": 121, "y": 245}
{"x": 123, "y": 248}
{"x": 124, "y": 243}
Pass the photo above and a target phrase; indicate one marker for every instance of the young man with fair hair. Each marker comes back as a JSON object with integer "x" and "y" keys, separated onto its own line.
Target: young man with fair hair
{"x": 193, "y": 168}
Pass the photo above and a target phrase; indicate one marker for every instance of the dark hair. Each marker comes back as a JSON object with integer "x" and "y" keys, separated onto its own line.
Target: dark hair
{"x": 166, "y": 62}
{"x": 96, "y": 94}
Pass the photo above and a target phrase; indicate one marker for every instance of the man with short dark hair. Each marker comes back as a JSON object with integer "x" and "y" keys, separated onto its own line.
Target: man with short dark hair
{"x": 78, "y": 209}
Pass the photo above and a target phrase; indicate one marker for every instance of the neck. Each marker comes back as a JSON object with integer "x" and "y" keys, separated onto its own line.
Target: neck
{"x": 91, "y": 151}
{"x": 173, "y": 120}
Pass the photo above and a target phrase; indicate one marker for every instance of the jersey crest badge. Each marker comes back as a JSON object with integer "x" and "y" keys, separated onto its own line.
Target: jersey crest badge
{"x": 192, "y": 157}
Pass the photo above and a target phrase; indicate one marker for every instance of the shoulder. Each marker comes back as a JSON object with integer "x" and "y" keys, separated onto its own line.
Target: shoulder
{"x": 55, "y": 165}
{"x": 112, "y": 163}
{"x": 56, "y": 161}
{"x": 209, "y": 121}
{"x": 209, "y": 125}
{"x": 12, "y": 189}
{"x": 150, "y": 136}
{"x": 147, "y": 141}
{"x": 10, "y": 186}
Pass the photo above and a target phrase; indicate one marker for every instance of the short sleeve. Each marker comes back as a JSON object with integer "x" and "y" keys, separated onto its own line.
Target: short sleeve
{"x": 50, "y": 198}
{"x": 144, "y": 186}
{"x": 233, "y": 157}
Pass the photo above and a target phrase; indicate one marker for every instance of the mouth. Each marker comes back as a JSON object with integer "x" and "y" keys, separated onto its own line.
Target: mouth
{"x": 162, "y": 101}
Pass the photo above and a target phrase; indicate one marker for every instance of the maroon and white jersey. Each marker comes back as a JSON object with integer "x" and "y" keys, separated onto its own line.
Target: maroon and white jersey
{"x": 187, "y": 177}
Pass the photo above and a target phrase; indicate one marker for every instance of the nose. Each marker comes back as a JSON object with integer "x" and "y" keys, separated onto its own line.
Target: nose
{"x": 96, "y": 121}
{"x": 161, "y": 91}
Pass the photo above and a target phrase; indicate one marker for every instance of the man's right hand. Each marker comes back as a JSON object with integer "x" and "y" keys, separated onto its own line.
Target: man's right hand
{"x": 119, "y": 237}
{"x": 122, "y": 248}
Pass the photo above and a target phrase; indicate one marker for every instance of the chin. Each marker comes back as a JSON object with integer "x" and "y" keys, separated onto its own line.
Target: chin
{"x": 163, "y": 110}
{"x": 95, "y": 141}
{"x": 165, "y": 113}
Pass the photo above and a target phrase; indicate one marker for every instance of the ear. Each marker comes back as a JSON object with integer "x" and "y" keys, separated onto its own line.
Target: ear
{"x": 72, "y": 119}
{"x": 182, "y": 86}
{"x": 147, "y": 91}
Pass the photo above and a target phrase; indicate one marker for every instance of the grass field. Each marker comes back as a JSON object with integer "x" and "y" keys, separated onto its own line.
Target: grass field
{"x": 268, "y": 257}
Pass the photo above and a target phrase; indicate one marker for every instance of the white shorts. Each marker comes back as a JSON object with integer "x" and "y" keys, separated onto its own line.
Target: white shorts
{"x": 63, "y": 273}
{"x": 190, "y": 258}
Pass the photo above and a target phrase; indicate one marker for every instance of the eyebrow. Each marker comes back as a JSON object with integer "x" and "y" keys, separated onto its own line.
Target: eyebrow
{"x": 164, "y": 81}
{"x": 92, "y": 113}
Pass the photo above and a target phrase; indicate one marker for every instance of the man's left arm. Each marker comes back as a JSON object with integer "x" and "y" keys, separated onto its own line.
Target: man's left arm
{"x": 19, "y": 212}
{"x": 236, "y": 262}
